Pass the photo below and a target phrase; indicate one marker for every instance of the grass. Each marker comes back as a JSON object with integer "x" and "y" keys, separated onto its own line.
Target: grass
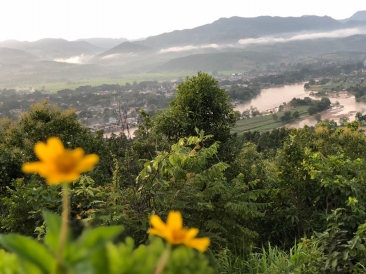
{"x": 266, "y": 122}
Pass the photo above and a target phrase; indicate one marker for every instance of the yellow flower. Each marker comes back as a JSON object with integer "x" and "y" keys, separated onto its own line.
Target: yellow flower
{"x": 60, "y": 165}
{"x": 174, "y": 232}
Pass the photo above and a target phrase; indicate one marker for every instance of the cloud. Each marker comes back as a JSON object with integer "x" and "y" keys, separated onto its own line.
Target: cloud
{"x": 190, "y": 47}
{"x": 110, "y": 56}
{"x": 299, "y": 37}
{"x": 79, "y": 59}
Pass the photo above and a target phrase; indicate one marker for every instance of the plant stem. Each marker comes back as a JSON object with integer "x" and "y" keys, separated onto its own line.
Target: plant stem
{"x": 163, "y": 259}
{"x": 65, "y": 221}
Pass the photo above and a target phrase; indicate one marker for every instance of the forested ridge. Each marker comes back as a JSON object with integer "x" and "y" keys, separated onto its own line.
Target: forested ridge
{"x": 283, "y": 201}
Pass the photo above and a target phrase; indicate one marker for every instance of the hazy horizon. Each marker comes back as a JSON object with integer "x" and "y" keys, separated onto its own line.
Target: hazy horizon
{"x": 25, "y": 20}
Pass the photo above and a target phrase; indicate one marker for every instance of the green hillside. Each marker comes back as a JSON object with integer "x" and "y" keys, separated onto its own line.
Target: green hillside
{"x": 219, "y": 61}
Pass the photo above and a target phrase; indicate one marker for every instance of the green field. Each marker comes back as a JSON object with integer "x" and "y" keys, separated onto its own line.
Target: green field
{"x": 266, "y": 122}
{"x": 130, "y": 78}
{"x": 74, "y": 83}
{"x": 328, "y": 88}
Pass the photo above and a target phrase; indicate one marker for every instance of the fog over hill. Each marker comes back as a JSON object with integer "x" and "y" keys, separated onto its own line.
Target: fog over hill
{"x": 230, "y": 30}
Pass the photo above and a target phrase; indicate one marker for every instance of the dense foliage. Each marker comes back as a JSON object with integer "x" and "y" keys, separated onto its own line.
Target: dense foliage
{"x": 315, "y": 105}
{"x": 285, "y": 201}
{"x": 243, "y": 93}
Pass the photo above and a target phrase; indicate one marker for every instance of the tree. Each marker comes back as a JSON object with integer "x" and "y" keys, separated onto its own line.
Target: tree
{"x": 208, "y": 199}
{"x": 287, "y": 116}
{"x": 237, "y": 115}
{"x": 254, "y": 111}
{"x": 246, "y": 114}
{"x": 343, "y": 120}
{"x": 318, "y": 117}
{"x": 199, "y": 103}
{"x": 296, "y": 115}
{"x": 359, "y": 117}
{"x": 275, "y": 117}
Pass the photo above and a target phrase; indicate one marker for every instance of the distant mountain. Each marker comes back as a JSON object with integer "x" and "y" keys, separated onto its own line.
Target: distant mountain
{"x": 14, "y": 44}
{"x": 105, "y": 43}
{"x": 358, "y": 16}
{"x": 127, "y": 48}
{"x": 354, "y": 24}
{"x": 219, "y": 61}
{"x": 15, "y": 56}
{"x": 266, "y": 53}
{"x": 229, "y": 30}
{"x": 50, "y": 49}
{"x": 354, "y": 43}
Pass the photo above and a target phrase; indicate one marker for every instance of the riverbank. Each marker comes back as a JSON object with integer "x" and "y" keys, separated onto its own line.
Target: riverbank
{"x": 272, "y": 98}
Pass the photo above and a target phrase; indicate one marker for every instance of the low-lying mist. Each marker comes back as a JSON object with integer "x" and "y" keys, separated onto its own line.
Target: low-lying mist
{"x": 78, "y": 59}
{"x": 270, "y": 40}
{"x": 191, "y": 47}
{"x": 305, "y": 36}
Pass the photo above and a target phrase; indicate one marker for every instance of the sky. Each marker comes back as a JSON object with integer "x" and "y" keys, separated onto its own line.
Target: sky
{"x": 30, "y": 20}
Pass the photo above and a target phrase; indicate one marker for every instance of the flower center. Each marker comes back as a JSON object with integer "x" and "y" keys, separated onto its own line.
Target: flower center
{"x": 179, "y": 235}
{"x": 65, "y": 162}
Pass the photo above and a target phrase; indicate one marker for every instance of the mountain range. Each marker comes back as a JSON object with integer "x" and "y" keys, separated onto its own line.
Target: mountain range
{"x": 229, "y": 30}
{"x": 226, "y": 44}
{"x": 49, "y": 49}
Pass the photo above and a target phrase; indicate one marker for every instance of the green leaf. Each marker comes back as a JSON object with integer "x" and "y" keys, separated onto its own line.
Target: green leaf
{"x": 174, "y": 159}
{"x": 53, "y": 223}
{"x": 29, "y": 250}
{"x": 100, "y": 261}
{"x": 334, "y": 263}
{"x": 93, "y": 240}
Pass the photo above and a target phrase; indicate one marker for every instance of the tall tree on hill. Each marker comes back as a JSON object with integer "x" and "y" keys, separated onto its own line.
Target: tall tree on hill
{"x": 199, "y": 103}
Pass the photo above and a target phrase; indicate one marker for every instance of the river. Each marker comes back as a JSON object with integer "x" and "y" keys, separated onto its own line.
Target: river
{"x": 274, "y": 97}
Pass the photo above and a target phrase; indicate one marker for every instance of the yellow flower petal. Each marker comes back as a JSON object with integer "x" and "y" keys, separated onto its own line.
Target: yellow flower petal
{"x": 157, "y": 223}
{"x": 33, "y": 167}
{"x": 200, "y": 244}
{"x": 174, "y": 220}
{"x": 53, "y": 179}
{"x": 41, "y": 150}
{"x": 191, "y": 233}
{"x": 88, "y": 163}
{"x": 55, "y": 146}
{"x": 78, "y": 153}
{"x": 157, "y": 232}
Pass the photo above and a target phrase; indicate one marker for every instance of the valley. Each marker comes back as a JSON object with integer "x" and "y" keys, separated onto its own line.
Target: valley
{"x": 201, "y": 137}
